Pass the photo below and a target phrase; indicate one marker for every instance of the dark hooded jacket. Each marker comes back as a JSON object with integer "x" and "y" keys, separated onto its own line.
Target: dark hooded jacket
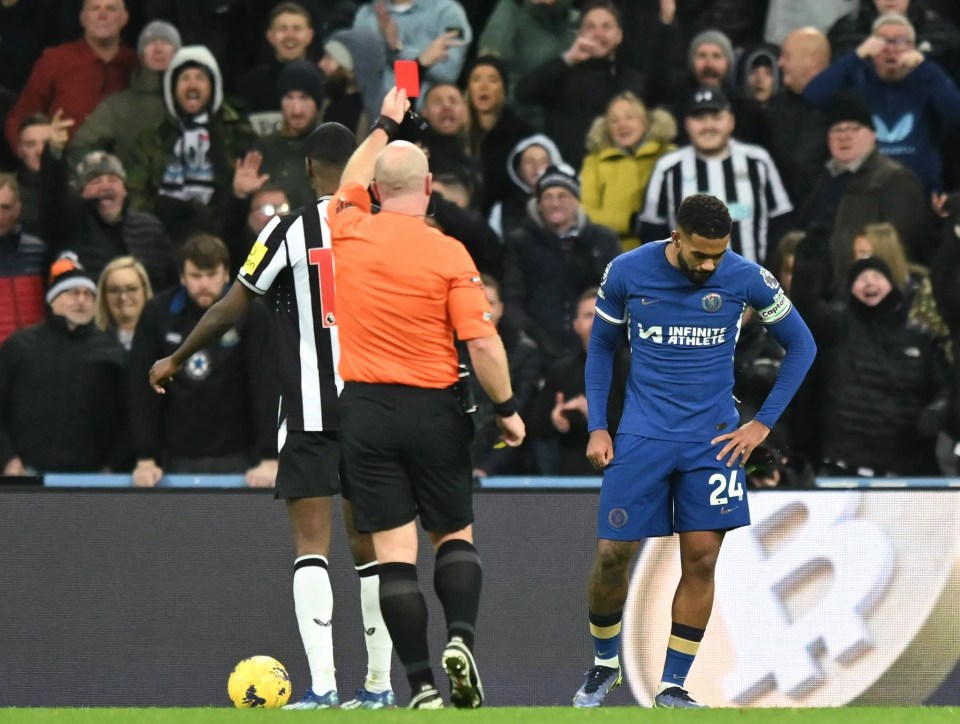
{"x": 230, "y": 137}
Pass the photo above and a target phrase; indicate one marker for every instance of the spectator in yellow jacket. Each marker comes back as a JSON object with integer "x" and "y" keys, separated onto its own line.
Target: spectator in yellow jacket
{"x": 623, "y": 147}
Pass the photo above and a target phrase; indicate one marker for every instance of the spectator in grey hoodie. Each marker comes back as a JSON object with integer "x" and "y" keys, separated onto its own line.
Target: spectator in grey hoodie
{"x": 352, "y": 64}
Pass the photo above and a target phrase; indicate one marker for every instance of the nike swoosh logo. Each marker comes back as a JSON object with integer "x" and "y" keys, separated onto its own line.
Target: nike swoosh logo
{"x": 649, "y": 300}
{"x": 371, "y": 631}
{"x": 326, "y": 623}
{"x": 724, "y": 511}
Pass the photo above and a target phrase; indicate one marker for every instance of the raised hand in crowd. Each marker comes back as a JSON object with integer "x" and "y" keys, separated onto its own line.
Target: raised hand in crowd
{"x": 582, "y": 49}
{"x": 870, "y": 47}
{"x": 388, "y": 26}
{"x": 945, "y": 205}
{"x": 668, "y": 11}
{"x": 247, "y": 179}
{"x": 911, "y": 59}
{"x": 436, "y": 52}
{"x": 558, "y": 415}
{"x": 59, "y": 133}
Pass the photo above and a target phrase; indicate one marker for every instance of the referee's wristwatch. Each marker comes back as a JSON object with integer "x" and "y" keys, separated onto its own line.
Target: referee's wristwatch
{"x": 387, "y": 125}
{"x": 507, "y": 407}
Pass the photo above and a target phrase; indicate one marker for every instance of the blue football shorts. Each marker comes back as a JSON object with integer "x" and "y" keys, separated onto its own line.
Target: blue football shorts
{"x": 660, "y": 487}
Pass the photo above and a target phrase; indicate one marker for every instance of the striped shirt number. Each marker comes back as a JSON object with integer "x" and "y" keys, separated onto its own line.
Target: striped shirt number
{"x": 323, "y": 260}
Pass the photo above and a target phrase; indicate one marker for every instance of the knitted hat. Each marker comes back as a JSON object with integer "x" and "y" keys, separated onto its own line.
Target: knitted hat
{"x": 301, "y": 75}
{"x": 870, "y": 262}
{"x": 158, "y": 30}
{"x": 67, "y": 273}
{"x": 851, "y": 108}
{"x": 712, "y": 37}
{"x": 99, "y": 163}
{"x": 707, "y": 99}
{"x": 339, "y": 52}
{"x": 554, "y": 176}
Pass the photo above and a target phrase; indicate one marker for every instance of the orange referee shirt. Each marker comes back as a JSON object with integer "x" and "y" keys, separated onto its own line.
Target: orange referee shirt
{"x": 403, "y": 288}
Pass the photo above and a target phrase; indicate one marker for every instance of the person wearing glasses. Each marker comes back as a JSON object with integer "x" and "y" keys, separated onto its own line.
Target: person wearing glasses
{"x": 913, "y": 102}
{"x": 123, "y": 290}
{"x": 937, "y": 36}
{"x": 254, "y": 204}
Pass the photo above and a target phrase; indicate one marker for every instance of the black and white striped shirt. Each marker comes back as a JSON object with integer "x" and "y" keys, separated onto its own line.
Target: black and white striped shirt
{"x": 747, "y": 181}
{"x": 293, "y": 259}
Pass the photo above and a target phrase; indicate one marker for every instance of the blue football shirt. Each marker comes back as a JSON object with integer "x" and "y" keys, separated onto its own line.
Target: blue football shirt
{"x": 682, "y": 338}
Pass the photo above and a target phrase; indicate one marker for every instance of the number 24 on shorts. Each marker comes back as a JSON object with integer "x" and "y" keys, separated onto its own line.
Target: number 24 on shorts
{"x": 726, "y": 488}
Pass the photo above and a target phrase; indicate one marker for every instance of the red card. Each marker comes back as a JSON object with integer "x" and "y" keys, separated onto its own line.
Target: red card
{"x": 407, "y": 74}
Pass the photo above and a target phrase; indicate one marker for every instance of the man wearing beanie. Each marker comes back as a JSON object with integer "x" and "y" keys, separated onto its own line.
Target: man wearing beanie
{"x": 300, "y": 94}
{"x": 118, "y": 120}
{"x": 883, "y": 380}
{"x": 711, "y": 63}
{"x": 93, "y": 218}
{"x": 74, "y": 77}
{"x": 551, "y": 259}
{"x": 860, "y": 186}
{"x": 61, "y": 394}
{"x": 182, "y": 169}
{"x": 352, "y": 65}
{"x": 289, "y": 33}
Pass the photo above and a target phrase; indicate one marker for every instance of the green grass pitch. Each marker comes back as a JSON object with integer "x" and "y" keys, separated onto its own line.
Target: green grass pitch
{"x": 493, "y": 715}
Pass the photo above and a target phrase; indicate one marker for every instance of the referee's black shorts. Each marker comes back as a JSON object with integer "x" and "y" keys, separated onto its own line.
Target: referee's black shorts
{"x": 407, "y": 453}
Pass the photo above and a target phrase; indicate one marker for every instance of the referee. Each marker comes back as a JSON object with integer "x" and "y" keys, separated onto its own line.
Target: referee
{"x": 404, "y": 289}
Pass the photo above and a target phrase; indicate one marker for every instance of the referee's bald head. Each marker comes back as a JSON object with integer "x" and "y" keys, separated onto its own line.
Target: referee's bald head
{"x": 330, "y": 144}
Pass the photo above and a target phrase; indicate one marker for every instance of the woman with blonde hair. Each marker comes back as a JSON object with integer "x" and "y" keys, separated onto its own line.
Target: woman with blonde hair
{"x": 623, "y": 147}
{"x": 913, "y": 280}
{"x": 123, "y": 290}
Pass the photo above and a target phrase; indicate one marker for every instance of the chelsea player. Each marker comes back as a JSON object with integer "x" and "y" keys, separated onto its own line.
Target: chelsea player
{"x": 677, "y": 462}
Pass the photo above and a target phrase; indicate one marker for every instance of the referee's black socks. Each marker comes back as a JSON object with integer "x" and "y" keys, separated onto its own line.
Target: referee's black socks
{"x": 405, "y": 612}
{"x": 457, "y": 579}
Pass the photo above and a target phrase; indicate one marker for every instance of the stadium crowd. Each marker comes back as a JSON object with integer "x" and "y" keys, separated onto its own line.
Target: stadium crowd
{"x": 147, "y": 143}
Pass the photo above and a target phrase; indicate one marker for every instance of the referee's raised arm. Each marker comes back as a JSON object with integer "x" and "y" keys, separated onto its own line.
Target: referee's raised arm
{"x": 360, "y": 168}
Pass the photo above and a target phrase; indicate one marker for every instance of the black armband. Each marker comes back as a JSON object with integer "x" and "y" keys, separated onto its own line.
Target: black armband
{"x": 388, "y": 125}
{"x": 506, "y": 408}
